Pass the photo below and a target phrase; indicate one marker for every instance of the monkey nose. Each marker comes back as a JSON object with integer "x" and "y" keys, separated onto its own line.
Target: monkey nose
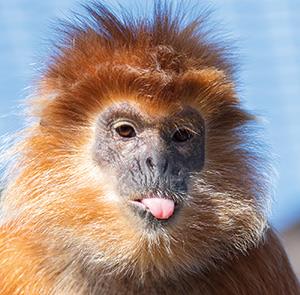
{"x": 159, "y": 164}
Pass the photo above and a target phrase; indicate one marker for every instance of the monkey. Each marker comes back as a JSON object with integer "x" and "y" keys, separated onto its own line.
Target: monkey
{"x": 140, "y": 171}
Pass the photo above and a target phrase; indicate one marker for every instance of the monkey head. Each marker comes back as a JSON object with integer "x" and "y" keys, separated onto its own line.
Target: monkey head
{"x": 142, "y": 158}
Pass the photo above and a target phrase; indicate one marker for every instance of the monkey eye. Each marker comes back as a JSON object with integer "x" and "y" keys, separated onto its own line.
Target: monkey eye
{"x": 125, "y": 130}
{"x": 182, "y": 135}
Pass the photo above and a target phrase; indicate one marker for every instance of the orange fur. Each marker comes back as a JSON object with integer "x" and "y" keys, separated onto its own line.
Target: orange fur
{"x": 63, "y": 230}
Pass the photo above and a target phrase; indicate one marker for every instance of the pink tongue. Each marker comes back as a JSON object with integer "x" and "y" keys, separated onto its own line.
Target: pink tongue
{"x": 159, "y": 208}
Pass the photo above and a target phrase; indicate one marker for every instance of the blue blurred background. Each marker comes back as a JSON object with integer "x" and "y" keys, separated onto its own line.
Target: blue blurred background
{"x": 268, "y": 38}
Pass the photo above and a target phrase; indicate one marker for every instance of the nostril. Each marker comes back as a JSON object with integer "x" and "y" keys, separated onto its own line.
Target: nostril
{"x": 149, "y": 163}
{"x": 165, "y": 167}
{"x": 176, "y": 172}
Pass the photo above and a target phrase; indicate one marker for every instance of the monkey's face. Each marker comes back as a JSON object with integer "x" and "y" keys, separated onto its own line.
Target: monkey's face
{"x": 155, "y": 178}
{"x": 152, "y": 156}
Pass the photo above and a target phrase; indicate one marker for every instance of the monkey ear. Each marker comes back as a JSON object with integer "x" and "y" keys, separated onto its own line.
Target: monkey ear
{"x": 42, "y": 123}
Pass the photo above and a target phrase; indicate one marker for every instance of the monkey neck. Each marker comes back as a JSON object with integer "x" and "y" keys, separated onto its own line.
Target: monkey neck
{"x": 263, "y": 270}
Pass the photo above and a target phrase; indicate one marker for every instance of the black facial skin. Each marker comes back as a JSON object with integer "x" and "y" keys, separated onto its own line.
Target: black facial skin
{"x": 150, "y": 156}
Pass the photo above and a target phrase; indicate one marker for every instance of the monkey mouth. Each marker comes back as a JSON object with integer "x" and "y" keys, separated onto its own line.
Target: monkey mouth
{"x": 157, "y": 208}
